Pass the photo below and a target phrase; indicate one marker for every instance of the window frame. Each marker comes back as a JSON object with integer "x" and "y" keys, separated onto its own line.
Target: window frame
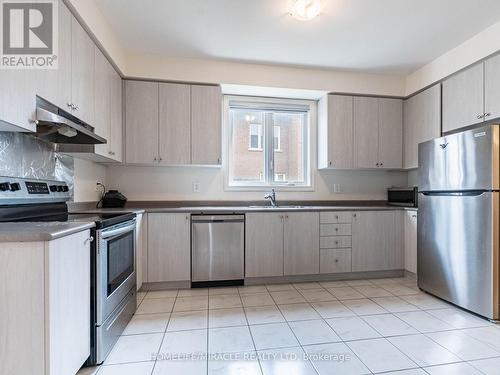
{"x": 260, "y": 135}
{"x": 260, "y": 103}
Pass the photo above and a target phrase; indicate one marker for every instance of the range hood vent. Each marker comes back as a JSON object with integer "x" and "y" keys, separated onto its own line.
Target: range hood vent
{"x": 57, "y": 126}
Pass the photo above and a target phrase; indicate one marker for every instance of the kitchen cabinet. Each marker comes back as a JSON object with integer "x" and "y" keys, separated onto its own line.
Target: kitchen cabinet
{"x": 422, "y": 122}
{"x": 335, "y": 132}
{"x": 410, "y": 241}
{"x": 206, "y": 125}
{"x": 175, "y": 123}
{"x": 169, "y": 247}
{"x": 264, "y": 244}
{"x": 378, "y": 132}
{"x": 301, "y": 243}
{"x": 82, "y": 73}
{"x": 335, "y": 261}
{"x": 377, "y": 241}
{"x": 140, "y": 248}
{"x": 141, "y": 122}
{"x": 50, "y": 319}
{"x": 116, "y": 126}
{"x": 335, "y": 242}
{"x": 492, "y": 88}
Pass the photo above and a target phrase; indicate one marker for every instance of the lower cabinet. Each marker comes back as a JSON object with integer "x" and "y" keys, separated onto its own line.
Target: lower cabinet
{"x": 48, "y": 317}
{"x": 334, "y": 260}
{"x": 377, "y": 241}
{"x": 410, "y": 245}
{"x": 301, "y": 243}
{"x": 169, "y": 247}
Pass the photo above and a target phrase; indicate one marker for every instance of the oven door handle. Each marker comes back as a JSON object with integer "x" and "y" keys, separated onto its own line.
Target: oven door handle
{"x": 116, "y": 232}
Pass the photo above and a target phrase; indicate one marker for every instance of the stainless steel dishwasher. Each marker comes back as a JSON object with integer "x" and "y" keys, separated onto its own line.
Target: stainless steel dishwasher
{"x": 217, "y": 250}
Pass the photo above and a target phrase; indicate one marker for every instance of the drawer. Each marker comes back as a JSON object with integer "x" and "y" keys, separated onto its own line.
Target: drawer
{"x": 335, "y": 242}
{"x": 335, "y": 230}
{"x": 334, "y": 260}
{"x": 337, "y": 217}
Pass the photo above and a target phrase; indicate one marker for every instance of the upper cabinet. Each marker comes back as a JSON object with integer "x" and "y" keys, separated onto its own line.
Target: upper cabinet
{"x": 422, "y": 122}
{"x": 472, "y": 96}
{"x": 172, "y": 124}
{"x": 360, "y": 132}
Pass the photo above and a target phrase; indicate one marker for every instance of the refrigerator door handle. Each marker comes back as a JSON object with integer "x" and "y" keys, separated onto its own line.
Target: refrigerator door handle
{"x": 470, "y": 193}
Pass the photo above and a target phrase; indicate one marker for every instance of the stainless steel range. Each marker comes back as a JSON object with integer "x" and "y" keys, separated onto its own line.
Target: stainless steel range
{"x": 113, "y": 268}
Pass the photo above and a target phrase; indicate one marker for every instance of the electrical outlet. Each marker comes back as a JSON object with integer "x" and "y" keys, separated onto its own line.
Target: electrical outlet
{"x": 336, "y": 188}
{"x": 196, "y": 187}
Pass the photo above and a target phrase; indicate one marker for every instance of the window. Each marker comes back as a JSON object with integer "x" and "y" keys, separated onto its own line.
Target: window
{"x": 268, "y": 142}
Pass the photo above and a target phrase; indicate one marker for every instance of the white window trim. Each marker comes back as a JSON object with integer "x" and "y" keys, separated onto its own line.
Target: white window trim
{"x": 279, "y": 139}
{"x": 260, "y": 135}
{"x": 310, "y": 153}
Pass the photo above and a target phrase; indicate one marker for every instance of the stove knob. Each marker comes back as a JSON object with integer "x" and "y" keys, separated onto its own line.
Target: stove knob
{"x": 4, "y": 186}
{"x": 59, "y": 188}
{"x": 65, "y": 188}
{"x": 53, "y": 188}
{"x": 15, "y": 186}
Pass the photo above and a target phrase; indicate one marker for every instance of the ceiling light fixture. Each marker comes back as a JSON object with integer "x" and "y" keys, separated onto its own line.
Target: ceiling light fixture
{"x": 305, "y": 10}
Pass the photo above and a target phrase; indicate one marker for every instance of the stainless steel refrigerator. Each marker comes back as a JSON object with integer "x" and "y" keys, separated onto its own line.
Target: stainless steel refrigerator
{"x": 458, "y": 219}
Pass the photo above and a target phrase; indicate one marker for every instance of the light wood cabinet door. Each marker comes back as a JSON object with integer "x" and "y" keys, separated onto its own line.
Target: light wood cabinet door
{"x": 264, "y": 244}
{"x": 492, "y": 88}
{"x": 422, "y": 122}
{"x": 141, "y": 122}
{"x": 366, "y": 132}
{"x": 390, "y": 134}
{"x": 206, "y": 125}
{"x": 301, "y": 243}
{"x": 102, "y": 99}
{"x": 82, "y": 73}
{"x": 335, "y": 132}
{"x": 68, "y": 280}
{"x": 377, "y": 241}
{"x": 175, "y": 123}
{"x": 169, "y": 247}
{"x": 116, "y": 126}
{"x": 463, "y": 98}
{"x": 410, "y": 241}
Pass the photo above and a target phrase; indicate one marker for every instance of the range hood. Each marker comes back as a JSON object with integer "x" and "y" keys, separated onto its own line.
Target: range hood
{"x": 57, "y": 126}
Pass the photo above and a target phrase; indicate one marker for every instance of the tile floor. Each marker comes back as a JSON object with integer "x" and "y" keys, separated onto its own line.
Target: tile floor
{"x": 354, "y": 327}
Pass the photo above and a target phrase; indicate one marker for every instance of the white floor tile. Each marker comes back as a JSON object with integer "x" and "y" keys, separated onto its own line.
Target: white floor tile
{"x": 191, "y": 303}
{"x": 180, "y": 367}
{"x": 342, "y": 359}
{"x": 487, "y": 366}
{"x": 271, "y": 336}
{"x": 389, "y": 325}
{"x": 395, "y": 304}
{"x": 279, "y": 287}
{"x": 194, "y": 292}
{"x": 303, "y": 286}
{"x": 224, "y": 301}
{"x": 188, "y": 320}
{"x": 344, "y": 293}
{"x": 373, "y": 291}
{"x": 135, "y": 348}
{"x": 147, "y": 323}
{"x": 298, "y": 311}
{"x": 252, "y": 289}
{"x": 140, "y": 368}
{"x": 285, "y": 297}
{"x": 310, "y": 332}
{"x": 352, "y": 328}
{"x": 358, "y": 282}
{"x": 463, "y": 346}
{"x": 288, "y": 361}
{"x": 423, "y": 351}
{"x": 399, "y": 290}
{"x": 257, "y": 299}
{"x": 487, "y": 335}
{"x": 226, "y": 317}
{"x": 415, "y": 371}
{"x": 161, "y": 294}
{"x": 459, "y": 318}
{"x": 379, "y": 355}
{"x": 453, "y": 369}
{"x": 156, "y": 305}
{"x": 387, "y": 281}
{"x": 332, "y": 284}
{"x": 332, "y": 309}
{"x": 423, "y": 321}
{"x": 223, "y": 290}
{"x": 425, "y": 301}
{"x": 364, "y": 306}
{"x": 264, "y": 314}
{"x": 230, "y": 340}
{"x": 183, "y": 344}
{"x": 234, "y": 367}
{"x": 317, "y": 295}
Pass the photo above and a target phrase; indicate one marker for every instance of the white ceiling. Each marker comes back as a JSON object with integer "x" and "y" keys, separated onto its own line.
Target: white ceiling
{"x": 382, "y": 36}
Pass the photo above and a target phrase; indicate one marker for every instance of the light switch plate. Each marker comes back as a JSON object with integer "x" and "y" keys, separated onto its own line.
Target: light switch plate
{"x": 196, "y": 187}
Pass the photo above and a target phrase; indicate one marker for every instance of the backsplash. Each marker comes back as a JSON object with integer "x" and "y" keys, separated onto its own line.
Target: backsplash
{"x": 22, "y": 155}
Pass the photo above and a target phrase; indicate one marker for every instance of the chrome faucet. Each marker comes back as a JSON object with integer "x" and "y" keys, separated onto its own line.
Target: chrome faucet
{"x": 272, "y": 197}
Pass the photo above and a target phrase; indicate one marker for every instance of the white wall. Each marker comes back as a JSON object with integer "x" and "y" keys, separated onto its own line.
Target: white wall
{"x": 87, "y": 174}
{"x": 175, "y": 183}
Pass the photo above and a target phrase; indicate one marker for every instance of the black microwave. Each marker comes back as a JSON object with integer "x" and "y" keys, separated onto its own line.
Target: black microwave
{"x": 403, "y": 196}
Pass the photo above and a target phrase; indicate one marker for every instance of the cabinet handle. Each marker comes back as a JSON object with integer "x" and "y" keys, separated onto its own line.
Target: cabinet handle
{"x": 154, "y": 159}
{"x": 70, "y": 105}
{"x": 336, "y": 229}
{"x": 381, "y": 164}
{"x": 286, "y": 217}
{"x": 160, "y": 159}
{"x": 90, "y": 239}
{"x": 354, "y": 215}
{"x": 480, "y": 117}
{"x": 487, "y": 114}
{"x": 76, "y": 108}
{"x": 336, "y": 242}
{"x": 376, "y": 164}
{"x": 337, "y": 217}
{"x": 281, "y": 217}
{"x": 187, "y": 217}
{"x": 218, "y": 160}
{"x": 330, "y": 163}
{"x": 413, "y": 215}
{"x": 336, "y": 260}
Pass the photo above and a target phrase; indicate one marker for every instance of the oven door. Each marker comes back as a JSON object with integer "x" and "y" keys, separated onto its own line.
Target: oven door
{"x": 115, "y": 267}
